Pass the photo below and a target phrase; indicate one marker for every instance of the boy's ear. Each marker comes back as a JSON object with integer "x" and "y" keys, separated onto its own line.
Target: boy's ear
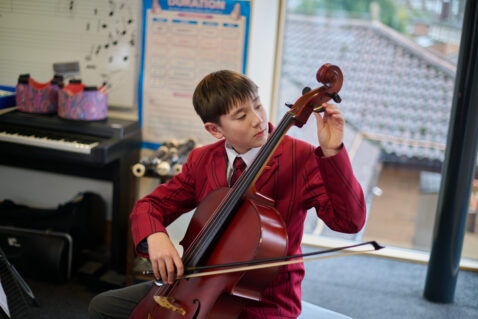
{"x": 214, "y": 129}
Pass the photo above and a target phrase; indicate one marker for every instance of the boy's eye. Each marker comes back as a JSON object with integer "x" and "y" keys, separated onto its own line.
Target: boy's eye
{"x": 258, "y": 106}
{"x": 240, "y": 115}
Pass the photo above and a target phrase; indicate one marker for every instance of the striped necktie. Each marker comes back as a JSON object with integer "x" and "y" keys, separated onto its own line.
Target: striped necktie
{"x": 239, "y": 167}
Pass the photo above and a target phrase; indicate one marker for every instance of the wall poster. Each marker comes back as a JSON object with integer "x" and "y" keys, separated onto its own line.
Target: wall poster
{"x": 183, "y": 41}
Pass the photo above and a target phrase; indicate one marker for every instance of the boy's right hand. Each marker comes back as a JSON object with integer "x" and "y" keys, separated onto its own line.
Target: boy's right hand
{"x": 167, "y": 265}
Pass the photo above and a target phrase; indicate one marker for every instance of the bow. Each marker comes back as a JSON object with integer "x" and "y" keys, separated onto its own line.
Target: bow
{"x": 198, "y": 271}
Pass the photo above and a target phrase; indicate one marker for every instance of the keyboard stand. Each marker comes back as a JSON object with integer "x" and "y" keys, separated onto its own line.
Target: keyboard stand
{"x": 114, "y": 165}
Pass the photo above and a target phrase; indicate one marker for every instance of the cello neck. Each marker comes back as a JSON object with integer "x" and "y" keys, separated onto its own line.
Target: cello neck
{"x": 225, "y": 211}
{"x": 331, "y": 77}
{"x": 250, "y": 176}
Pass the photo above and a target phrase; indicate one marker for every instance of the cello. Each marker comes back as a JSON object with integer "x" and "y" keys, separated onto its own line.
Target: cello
{"x": 215, "y": 235}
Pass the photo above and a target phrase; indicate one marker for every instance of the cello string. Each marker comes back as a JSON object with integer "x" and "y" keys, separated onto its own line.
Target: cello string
{"x": 217, "y": 221}
{"x": 246, "y": 180}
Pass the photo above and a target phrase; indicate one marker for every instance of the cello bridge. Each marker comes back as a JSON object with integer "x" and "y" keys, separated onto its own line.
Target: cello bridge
{"x": 167, "y": 302}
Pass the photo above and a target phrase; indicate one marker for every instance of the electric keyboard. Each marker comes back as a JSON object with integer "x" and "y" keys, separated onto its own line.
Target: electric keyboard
{"x": 42, "y": 138}
{"x": 103, "y": 150}
{"x": 97, "y": 142}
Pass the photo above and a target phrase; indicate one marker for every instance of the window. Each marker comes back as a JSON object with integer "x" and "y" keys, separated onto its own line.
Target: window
{"x": 399, "y": 63}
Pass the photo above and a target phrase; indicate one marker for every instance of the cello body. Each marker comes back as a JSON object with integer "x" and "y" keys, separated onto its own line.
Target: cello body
{"x": 256, "y": 231}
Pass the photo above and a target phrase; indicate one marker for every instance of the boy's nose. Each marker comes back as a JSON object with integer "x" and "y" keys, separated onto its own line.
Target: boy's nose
{"x": 257, "y": 119}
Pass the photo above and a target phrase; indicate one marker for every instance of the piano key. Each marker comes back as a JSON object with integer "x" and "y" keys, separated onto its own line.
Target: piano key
{"x": 113, "y": 138}
{"x": 56, "y": 142}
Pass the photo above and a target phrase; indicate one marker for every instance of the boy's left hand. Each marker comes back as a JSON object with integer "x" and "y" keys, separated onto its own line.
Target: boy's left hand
{"x": 330, "y": 129}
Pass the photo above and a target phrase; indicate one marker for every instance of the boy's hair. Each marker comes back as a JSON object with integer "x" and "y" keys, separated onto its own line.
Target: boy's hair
{"x": 219, "y": 91}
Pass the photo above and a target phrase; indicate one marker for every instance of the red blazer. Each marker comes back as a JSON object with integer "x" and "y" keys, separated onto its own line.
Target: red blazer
{"x": 298, "y": 179}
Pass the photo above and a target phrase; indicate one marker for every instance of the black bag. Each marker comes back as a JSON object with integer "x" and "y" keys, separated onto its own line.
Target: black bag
{"x": 38, "y": 254}
{"x": 83, "y": 219}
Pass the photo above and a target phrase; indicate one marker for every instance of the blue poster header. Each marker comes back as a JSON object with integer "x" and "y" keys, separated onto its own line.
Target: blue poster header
{"x": 202, "y": 6}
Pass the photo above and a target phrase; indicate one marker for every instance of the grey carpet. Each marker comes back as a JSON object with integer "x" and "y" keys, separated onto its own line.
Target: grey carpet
{"x": 374, "y": 287}
{"x": 357, "y": 286}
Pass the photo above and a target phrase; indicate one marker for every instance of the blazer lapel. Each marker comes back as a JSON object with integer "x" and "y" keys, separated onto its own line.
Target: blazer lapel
{"x": 216, "y": 168}
{"x": 270, "y": 168}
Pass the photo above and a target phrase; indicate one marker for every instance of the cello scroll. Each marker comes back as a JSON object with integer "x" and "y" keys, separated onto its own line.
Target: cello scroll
{"x": 312, "y": 100}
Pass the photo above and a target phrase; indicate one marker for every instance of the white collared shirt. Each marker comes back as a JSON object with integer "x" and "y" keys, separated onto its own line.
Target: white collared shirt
{"x": 247, "y": 157}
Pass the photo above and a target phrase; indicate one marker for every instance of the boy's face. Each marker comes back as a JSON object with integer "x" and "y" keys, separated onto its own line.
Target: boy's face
{"x": 244, "y": 126}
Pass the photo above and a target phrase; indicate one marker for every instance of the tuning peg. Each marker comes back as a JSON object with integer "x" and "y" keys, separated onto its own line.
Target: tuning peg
{"x": 289, "y": 105}
{"x": 306, "y": 90}
{"x": 318, "y": 109}
{"x": 335, "y": 97}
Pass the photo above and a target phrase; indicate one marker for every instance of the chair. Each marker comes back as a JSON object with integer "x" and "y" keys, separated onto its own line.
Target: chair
{"x": 311, "y": 311}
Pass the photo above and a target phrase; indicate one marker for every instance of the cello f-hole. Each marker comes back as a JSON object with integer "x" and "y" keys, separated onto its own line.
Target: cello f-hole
{"x": 196, "y": 314}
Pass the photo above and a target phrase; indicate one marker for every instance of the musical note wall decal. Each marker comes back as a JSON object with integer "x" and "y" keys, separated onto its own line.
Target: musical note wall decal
{"x": 100, "y": 34}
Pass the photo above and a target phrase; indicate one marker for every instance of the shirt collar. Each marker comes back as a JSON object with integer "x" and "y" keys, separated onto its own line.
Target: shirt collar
{"x": 247, "y": 157}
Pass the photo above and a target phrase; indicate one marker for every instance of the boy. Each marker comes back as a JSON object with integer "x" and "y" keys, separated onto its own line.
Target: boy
{"x": 300, "y": 177}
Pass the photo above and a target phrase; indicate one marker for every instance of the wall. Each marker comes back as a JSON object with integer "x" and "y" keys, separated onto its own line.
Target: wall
{"x": 262, "y": 51}
{"x": 48, "y": 190}
{"x": 260, "y": 68}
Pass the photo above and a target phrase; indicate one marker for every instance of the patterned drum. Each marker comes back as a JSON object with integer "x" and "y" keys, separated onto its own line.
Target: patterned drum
{"x": 79, "y": 102}
{"x": 35, "y": 97}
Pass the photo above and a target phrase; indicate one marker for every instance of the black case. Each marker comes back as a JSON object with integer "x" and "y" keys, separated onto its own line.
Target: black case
{"x": 44, "y": 255}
